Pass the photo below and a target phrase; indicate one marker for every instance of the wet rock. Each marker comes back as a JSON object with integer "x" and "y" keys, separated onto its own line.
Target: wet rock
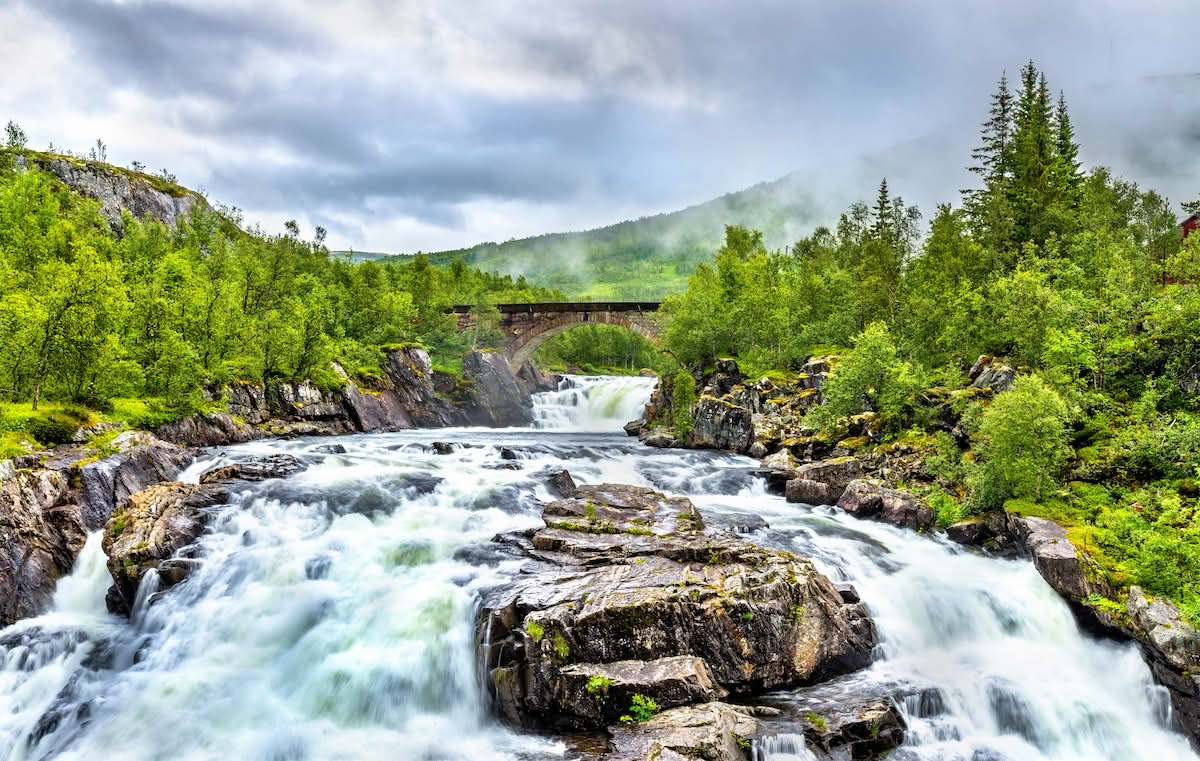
{"x": 837, "y": 472}
{"x": 560, "y": 484}
{"x": 857, "y": 731}
{"x": 502, "y": 466}
{"x": 710, "y": 732}
{"x": 330, "y": 449}
{"x": 207, "y": 431}
{"x": 736, "y": 522}
{"x": 868, "y": 498}
{"x": 603, "y": 692}
{"x": 970, "y": 532}
{"x": 660, "y": 438}
{"x": 721, "y": 424}
{"x": 1174, "y": 654}
{"x": 259, "y": 469}
{"x": 624, "y": 573}
{"x": 152, "y": 526}
{"x": 812, "y": 492}
{"x": 442, "y": 447}
{"x": 497, "y": 399}
{"x": 634, "y": 427}
{"x": 317, "y": 567}
{"x": 508, "y": 454}
{"x": 530, "y": 376}
{"x": 141, "y": 460}
{"x": 1056, "y": 560}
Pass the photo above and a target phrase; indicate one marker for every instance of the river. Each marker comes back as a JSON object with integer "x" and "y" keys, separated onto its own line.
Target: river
{"x": 331, "y": 616}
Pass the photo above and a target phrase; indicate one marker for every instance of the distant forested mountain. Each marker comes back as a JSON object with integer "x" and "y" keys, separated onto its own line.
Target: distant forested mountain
{"x": 650, "y": 257}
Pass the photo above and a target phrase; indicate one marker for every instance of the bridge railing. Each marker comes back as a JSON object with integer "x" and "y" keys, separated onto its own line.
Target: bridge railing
{"x": 574, "y": 306}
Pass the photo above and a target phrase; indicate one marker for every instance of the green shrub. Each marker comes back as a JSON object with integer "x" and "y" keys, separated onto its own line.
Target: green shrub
{"x": 683, "y": 397}
{"x": 643, "y": 709}
{"x": 52, "y": 428}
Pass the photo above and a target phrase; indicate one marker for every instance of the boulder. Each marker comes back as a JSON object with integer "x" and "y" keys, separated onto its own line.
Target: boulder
{"x": 992, "y": 373}
{"x": 258, "y": 469}
{"x": 442, "y": 447}
{"x": 712, "y": 732}
{"x": 1056, "y": 560}
{"x": 530, "y": 376}
{"x": 634, "y": 427}
{"x": 660, "y": 438}
{"x": 1173, "y": 649}
{"x": 207, "y": 430}
{"x": 811, "y": 492}
{"x": 869, "y": 498}
{"x": 152, "y": 526}
{"x": 560, "y": 484}
{"x": 837, "y": 471}
{"x": 971, "y": 532}
{"x": 603, "y": 692}
{"x": 141, "y": 460}
{"x": 497, "y": 399}
{"x": 622, "y": 574}
{"x": 721, "y": 424}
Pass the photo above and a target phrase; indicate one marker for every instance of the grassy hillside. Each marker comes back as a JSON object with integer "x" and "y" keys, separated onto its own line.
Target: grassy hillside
{"x": 649, "y": 257}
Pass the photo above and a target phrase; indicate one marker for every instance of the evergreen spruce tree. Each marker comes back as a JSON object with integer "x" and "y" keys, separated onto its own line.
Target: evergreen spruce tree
{"x": 883, "y": 228}
{"x": 1034, "y": 186}
{"x": 987, "y": 207}
{"x": 1067, "y": 152}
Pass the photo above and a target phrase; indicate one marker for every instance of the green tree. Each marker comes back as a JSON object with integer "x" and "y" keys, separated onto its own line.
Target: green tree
{"x": 1021, "y": 445}
{"x": 871, "y": 377}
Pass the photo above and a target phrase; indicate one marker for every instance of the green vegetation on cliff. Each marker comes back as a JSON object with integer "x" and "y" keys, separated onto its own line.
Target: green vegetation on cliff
{"x": 88, "y": 315}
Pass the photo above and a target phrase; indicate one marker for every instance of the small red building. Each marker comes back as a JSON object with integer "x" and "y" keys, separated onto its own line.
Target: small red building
{"x": 1191, "y": 223}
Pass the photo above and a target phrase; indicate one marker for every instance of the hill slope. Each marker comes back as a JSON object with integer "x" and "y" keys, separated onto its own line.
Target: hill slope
{"x": 650, "y": 257}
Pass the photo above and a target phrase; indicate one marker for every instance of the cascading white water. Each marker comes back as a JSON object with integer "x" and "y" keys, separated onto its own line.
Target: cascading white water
{"x": 592, "y": 402}
{"x": 331, "y": 618}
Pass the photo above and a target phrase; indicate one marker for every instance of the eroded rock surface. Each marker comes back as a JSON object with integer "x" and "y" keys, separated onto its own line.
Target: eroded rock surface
{"x": 869, "y": 498}
{"x": 625, "y": 578}
{"x": 712, "y": 732}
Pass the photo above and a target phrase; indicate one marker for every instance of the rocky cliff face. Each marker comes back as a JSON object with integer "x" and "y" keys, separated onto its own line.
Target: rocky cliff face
{"x": 407, "y": 397}
{"x": 498, "y": 398}
{"x": 47, "y": 512}
{"x": 118, "y": 190}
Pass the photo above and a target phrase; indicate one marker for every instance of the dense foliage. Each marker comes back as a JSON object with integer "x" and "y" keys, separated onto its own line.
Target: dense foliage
{"x": 88, "y": 315}
{"x": 1083, "y": 283}
{"x": 599, "y": 349}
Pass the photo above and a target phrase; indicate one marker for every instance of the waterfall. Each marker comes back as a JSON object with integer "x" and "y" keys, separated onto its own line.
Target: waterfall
{"x": 592, "y": 402}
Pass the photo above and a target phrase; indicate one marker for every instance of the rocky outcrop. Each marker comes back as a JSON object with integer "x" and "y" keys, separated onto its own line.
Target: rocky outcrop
{"x": 150, "y": 528}
{"x": 1056, "y": 560}
{"x": 260, "y": 469}
{"x": 869, "y": 498}
{"x": 147, "y": 531}
{"x": 497, "y": 398}
{"x": 207, "y": 430}
{"x": 119, "y": 190}
{"x": 992, "y": 373}
{"x": 626, "y": 592}
{"x": 811, "y": 492}
{"x": 712, "y": 732}
{"x": 46, "y": 513}
{"x": 721, "y": 424}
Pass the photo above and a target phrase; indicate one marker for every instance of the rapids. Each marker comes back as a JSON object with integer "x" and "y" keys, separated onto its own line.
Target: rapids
{"x": 331, "y": 617}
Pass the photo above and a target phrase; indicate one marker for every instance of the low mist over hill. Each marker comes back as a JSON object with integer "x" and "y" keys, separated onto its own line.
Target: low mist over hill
{"x": 649, "y": 257}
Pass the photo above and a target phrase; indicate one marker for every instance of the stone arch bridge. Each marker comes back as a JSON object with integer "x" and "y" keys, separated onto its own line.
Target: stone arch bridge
{"x": 528, "y": 326}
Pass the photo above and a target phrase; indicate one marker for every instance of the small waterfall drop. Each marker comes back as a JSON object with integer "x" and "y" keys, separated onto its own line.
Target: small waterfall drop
{"x": 592, "y": 402}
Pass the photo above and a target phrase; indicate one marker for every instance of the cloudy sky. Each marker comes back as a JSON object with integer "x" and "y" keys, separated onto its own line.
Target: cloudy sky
{"x": 425, "y": 125}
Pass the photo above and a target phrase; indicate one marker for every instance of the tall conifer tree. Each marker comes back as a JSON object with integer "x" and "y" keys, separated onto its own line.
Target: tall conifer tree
{"x": 1067, "y": 151}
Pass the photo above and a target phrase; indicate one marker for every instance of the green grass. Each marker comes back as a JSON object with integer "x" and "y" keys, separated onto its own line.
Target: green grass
{"x": 13, "y": 444}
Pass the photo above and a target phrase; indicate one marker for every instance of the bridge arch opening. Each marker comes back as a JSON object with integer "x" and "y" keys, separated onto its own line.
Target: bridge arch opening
{"x": 523, "y": 350}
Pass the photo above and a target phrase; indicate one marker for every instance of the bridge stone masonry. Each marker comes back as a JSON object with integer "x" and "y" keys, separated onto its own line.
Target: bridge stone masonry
{"x": 528, "y": 326}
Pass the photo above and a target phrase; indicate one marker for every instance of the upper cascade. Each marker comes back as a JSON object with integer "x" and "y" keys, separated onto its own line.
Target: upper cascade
{"x": 592, "y": 402}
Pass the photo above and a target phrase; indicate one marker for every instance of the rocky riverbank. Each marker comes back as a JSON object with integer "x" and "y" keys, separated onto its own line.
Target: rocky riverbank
{"x": 766, "y": 419}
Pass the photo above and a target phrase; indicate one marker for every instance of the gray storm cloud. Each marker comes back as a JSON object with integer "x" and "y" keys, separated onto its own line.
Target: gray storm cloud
{"x": 420, "y": 125}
